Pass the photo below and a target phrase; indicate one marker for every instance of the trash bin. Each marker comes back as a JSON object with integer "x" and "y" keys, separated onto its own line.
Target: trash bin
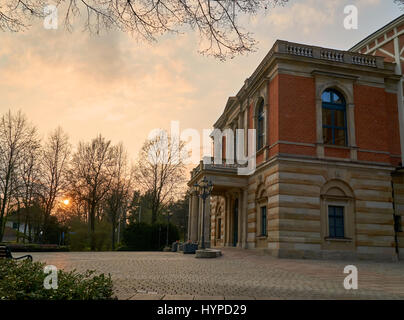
{"x": 190, "y": 248}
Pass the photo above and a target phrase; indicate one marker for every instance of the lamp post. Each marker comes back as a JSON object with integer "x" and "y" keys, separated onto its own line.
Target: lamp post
{"x": 203, "y": 190}
{"x": 169, "y": 214}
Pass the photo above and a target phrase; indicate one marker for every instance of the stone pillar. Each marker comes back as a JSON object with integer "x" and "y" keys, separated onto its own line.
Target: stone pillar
{"x": 195, "y": 220}
{"x": 199, "y": 219}
{"x": 227, "y": 218}
{"x": 189, "y": 218}
{"x": 240, "y": 221}
{"x": 244, "y": 243}
{"x": 208, "y": 223}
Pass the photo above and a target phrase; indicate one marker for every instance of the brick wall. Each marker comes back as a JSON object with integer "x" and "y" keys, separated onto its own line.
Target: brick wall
{"x": 292, "y": 118}
{"x": 297, "y": 109}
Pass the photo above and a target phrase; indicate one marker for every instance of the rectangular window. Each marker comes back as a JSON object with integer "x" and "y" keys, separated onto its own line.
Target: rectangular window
{"x": 264, "y": 221}
{"x": 336, "y": 221}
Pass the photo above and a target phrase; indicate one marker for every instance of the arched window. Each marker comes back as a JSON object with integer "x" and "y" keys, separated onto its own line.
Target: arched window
{"x": 334, "y": 118}
{"x": 260, "y": 125}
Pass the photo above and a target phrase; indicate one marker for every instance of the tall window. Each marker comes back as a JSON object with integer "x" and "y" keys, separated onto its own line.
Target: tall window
{"x": 334, "y": 118}
{"x": 336, "y": 221}
{"x": 260, "y": 125}
{"x": 264, "y": 221}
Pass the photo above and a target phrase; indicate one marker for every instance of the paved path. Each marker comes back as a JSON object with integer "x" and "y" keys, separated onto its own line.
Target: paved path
{"x": 238, "y": 274}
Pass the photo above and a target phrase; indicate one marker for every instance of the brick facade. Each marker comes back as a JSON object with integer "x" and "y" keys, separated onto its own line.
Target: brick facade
{"x": 283, "y": 207}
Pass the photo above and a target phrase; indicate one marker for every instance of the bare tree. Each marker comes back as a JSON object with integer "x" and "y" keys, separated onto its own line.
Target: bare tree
{"x": 118, "y": 196}
{"x": 54, "y": 161}
{"x": 15, "y": 138}
{"x": 215, "y": 20}
{"x": 16, "y": 15}
{"x": 91, "y": 176}
{"x": 160, "y": 170}
{"x": 28, "y": 181}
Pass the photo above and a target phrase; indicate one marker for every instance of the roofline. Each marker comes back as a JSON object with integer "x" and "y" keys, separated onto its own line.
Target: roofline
{"x": 377, "y": 33}
{"x": 278, "y": 49}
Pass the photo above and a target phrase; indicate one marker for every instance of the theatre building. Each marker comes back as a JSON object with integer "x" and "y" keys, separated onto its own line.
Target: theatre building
{"x": 329, "y": 140}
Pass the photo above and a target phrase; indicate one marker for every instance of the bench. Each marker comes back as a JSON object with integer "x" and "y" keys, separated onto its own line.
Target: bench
{"x": 6, "y": 253}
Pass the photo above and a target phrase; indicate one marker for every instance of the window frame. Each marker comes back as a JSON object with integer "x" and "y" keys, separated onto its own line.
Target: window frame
{"x": 333, "y": 106}
{"x": 333, "y": 216}
{"x": 264, "y": 221}
{"x": 260, "y": 124}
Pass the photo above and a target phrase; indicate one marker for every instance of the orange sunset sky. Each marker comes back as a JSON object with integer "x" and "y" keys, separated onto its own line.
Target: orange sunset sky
{"x": 123, "y": 88}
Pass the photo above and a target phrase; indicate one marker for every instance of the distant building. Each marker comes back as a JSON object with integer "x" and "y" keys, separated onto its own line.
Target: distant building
{"x": 328, "y": 126}
{"x": 11, "y": 228}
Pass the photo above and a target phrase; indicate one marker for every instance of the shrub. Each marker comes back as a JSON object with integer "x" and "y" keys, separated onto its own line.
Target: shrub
{"x": 79, "y": 239}
{"x": 24, "y": 280}
{"x": 146, "y": 237}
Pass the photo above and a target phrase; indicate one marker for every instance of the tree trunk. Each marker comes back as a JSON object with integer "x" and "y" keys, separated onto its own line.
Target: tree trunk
{"x": 92, "y": 227}
{"x": 113, "y": 235}
{"x": 25, "y": 226}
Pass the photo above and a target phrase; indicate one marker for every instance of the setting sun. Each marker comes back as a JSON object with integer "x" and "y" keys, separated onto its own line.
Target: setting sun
{"x": 66, "y": 201}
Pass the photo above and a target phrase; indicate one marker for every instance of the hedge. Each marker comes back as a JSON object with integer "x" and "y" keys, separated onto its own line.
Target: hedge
{"x": 148, "y": 237}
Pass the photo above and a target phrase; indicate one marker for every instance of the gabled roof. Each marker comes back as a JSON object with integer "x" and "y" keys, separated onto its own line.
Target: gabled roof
{"x": 396, "y": 22}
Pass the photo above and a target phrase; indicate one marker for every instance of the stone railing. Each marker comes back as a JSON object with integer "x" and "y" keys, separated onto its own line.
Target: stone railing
{"x": 332, "y": 55}
{"x": 299, "y": 50}
{"x": 364, "y": 60}
{"x": 324, "y": 54}
{"x": 328, "y": 54}
{"x": 227, "y": 167}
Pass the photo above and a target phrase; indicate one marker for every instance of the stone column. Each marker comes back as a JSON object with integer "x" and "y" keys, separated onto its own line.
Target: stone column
{"x": 189, "y": 218}
{"x": 240, "y": 221}
{"x": 200, "y": 201}
{"x": 244, "y": 243}
{"x": 195, "y": 220}
{"x": 227, "y": 221}
{"x": 208, "y": 223}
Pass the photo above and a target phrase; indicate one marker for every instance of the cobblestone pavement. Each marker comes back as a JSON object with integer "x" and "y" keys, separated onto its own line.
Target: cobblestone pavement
{"x": 238, "y": 274}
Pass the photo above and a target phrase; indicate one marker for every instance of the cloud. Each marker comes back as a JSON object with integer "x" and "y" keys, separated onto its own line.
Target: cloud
{"x": 123, "y": 88}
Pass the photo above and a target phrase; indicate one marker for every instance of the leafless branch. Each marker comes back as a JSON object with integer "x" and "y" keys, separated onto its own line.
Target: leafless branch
{"x": 217, "y": 21}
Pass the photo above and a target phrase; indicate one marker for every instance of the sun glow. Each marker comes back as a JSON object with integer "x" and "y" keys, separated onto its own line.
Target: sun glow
{"x": 66, "y": 202}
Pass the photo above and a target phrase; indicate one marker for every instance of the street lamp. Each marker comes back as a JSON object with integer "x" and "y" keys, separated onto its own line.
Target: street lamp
{"x": 168, "y": 213}
{"x": 203, "y": 190}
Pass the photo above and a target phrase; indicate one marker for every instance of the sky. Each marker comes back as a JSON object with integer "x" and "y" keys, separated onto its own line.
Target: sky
{"x": 123, "y": 88}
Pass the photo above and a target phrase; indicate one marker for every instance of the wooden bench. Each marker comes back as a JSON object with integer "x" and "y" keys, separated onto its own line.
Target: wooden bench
{"x": 6, "y": 253}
